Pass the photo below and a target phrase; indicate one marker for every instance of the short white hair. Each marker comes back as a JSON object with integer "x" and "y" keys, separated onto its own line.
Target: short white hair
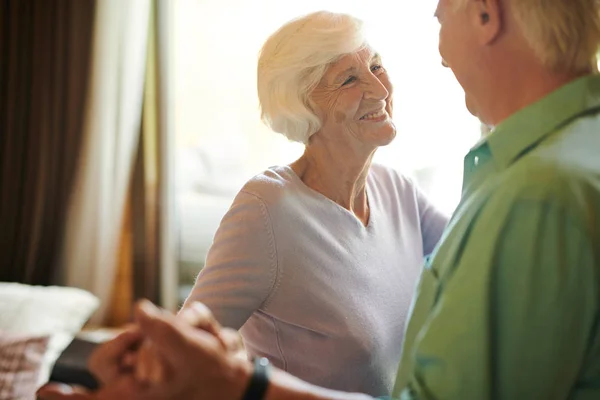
{"x": 564, "y": 34}
{"x": 293, "y": 61}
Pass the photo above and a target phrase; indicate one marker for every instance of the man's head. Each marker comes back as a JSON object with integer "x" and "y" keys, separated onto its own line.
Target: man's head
{"x": 498, "y": 46}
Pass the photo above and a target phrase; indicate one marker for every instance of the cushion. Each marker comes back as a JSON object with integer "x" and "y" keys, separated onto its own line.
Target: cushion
{"x": 58, "y": 312}
{"x": 21, "y": 359}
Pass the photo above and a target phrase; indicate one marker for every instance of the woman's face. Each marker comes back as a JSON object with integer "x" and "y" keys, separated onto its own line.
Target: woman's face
{"x": 354, "y": 100}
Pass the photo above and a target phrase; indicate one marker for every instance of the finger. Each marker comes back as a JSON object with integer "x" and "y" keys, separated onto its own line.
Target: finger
{"x": 234, "y": 343}
{"x": 125, "y": 388}
{"x": 199, "y": 316}
{"x": 159, "y": 326}
{"x": 150, "y": 368}
{"x": 232, "y": 340}
{"x": 60, "y": 391}
{"x": 157, "y": 369}
{"x": 173, "y": 338}
{"x": 143, "y": 359}
{"x": 130, "y": 359}
{"x": 106, "y": 362}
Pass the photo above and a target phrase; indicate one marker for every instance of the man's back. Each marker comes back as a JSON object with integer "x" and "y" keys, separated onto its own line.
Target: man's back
{"x": 508, "y": 308}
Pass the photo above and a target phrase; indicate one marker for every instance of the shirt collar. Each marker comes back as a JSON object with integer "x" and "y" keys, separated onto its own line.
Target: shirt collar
{"x": 529, "y": 126}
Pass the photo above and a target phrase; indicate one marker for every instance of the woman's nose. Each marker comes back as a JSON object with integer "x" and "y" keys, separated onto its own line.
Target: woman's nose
{"x": 377, "y": 90}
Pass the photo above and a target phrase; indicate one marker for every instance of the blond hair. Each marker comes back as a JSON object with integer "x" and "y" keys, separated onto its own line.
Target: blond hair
{"x": 293, "y": 61}
{"x": 564, "y": 34}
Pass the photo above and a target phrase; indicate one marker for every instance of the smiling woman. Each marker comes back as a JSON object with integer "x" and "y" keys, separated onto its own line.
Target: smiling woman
{"x": 316, "y": 260}
{"x": 221, "y": 141}
{"x": 357, "y": 91}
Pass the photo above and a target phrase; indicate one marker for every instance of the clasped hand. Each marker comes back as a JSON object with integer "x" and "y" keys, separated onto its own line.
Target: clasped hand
{"x": 163, "y": 357}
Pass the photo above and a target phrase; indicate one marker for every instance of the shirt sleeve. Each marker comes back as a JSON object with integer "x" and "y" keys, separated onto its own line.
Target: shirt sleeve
{"x": 241, "y": 265}
{"x": 433, "y": 222}
{"x": 514, "y": 318}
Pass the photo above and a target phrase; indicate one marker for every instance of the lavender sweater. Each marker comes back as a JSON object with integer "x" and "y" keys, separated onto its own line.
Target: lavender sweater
{"x": 318, "y": 293}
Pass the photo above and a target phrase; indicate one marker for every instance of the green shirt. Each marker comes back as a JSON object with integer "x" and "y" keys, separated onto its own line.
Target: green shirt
{"x": 508, "y": 307}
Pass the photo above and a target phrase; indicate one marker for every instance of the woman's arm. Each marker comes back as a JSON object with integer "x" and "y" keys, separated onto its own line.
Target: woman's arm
{"x": 433, "y": 222}
{"x": 283, "y": 386}
{"x": 241, "y": 266}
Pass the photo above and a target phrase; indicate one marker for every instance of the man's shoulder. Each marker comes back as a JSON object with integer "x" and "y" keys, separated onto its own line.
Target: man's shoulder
{"x": 564, "y": 168}
{"x": 562, "y": 174}
{"x": 539, "y": 193}
{"x": 572, "y": 150}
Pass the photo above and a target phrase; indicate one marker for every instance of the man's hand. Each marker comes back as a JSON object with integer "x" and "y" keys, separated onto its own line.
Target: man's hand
{"x": 150, "y": 366}
{"x": 200, "y": 358}
{"x": 201, "y": 367}
{"x": 122, "y": 388}
{"x": 112, "y": 359}
{"x": 198, "y": 364}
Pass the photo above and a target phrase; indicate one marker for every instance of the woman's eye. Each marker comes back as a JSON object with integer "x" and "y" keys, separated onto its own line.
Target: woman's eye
{"x": 349, "y": 80}
{"x": 376, "y": 68}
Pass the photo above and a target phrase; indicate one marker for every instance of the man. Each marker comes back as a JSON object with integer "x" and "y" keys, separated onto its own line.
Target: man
{"x": 509, "y": 305}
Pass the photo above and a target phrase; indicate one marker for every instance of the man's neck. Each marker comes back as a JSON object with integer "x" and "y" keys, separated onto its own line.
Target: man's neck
{"x": 519, "y": 89}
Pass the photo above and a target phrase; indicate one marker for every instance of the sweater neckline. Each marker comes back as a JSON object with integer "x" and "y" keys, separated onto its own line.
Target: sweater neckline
{"x": 369, "y": 226}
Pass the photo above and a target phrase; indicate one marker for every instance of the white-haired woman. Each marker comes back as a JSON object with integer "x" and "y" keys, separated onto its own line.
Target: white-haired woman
{"x": 316, "y": 261}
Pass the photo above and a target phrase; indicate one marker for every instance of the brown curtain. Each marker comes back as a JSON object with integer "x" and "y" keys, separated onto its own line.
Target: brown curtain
{"x": 45, "y": 48}
{"x": 119, "y": 312}
{"x": 138, "y": 266}
{"x": 145, "y": 181}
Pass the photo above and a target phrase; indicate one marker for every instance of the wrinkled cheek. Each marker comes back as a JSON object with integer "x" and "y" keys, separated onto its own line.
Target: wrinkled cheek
{"x": 339, "y": 117}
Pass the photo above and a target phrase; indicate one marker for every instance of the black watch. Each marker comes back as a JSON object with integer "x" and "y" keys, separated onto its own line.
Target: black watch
{"x": 259, "y": 382}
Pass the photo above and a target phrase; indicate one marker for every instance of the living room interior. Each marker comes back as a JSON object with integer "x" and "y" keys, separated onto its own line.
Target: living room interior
{"x": 127, "y": 128}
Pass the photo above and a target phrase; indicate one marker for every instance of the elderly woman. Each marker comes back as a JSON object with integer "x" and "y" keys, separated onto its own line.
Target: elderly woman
{"x": 316, "y": 262}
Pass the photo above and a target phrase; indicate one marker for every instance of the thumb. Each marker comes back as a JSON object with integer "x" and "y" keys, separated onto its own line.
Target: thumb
{"x": 232, "y": 340}
{"x": 199, "y": 316}
{"x": 163, "y": 329}
{"x": 59, "y": 391}
{"x": 173, "y": 339}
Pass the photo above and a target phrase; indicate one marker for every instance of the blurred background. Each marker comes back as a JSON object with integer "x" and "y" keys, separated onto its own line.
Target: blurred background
{"x": 127, "y": 127}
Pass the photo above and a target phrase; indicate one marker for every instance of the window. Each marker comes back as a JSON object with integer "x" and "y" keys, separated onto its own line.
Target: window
{"x": 221, "y": 141}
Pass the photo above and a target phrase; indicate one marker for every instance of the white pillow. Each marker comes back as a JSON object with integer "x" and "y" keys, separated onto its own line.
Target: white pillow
{"x": 45, "y": 310}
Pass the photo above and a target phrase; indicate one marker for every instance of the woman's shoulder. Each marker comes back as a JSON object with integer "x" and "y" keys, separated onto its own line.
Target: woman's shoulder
{"x": 274, "y": 194}
{"x": 271, "y": 184}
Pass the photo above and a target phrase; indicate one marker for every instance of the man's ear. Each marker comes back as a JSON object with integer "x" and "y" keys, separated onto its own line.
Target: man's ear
{"x": 487, "y": 18}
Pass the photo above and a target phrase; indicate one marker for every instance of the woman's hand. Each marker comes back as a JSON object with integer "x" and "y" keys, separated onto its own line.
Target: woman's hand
{"x": 112, "y": 359}
{"x": 200, "y": 359}
{"x": 112, "y": 365}
{"x": 150, "y": 367}
{"x": 197, "y": 363}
